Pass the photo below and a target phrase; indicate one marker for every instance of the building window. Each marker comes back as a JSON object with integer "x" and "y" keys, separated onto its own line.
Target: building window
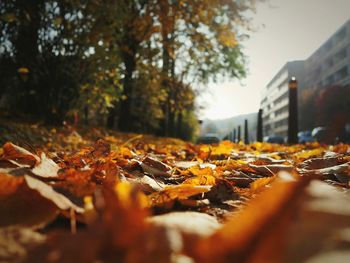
{"x": 281, "y": 98}
{"x": 282, "y": 110}
{"x": 281, "y": 123}
{"x": 329, "y": 80}
{"x": 341, "y": 74}
{"x": 340, "y": 55}
{"x": 329, "y": 62}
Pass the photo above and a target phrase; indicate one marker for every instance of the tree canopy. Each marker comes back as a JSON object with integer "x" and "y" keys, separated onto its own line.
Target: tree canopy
{"x": 130, "y": 65}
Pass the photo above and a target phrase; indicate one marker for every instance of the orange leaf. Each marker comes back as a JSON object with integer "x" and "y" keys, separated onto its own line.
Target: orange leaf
{"x": 170, "y": 193}
{"x": 256, "y": 234}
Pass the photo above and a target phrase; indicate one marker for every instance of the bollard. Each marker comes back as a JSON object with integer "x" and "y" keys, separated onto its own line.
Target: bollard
{"x": 239, "y": 133}
{"x": 293, "y": 111}
{"x": 259, "y": 129}
{"x": 246, "y": 133}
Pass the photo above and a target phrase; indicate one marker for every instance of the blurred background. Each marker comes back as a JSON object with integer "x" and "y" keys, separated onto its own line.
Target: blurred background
{"x": 177, "y": 68}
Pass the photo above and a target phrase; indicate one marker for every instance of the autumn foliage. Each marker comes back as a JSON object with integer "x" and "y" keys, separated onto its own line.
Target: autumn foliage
{"x": 133, "y": 198}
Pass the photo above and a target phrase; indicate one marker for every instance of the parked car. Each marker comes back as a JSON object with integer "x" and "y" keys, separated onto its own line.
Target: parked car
{"x": 332, "y": 136}
{"x": 322, "y": 134}
{"x": 305, "y": 136}
{"x": 209, "y": 138}
{"x": 274, "y": 139}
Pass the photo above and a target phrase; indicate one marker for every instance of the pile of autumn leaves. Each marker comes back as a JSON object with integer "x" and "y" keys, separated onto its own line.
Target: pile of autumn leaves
{"x": 161, "y": 202}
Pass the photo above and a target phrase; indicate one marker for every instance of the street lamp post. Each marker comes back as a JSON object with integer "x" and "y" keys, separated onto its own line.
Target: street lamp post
{"x": 293, "y": 111}
{"x": 246, "y": 133}
{"x": 259, "y": 132}
{"x": 239, "y": 133}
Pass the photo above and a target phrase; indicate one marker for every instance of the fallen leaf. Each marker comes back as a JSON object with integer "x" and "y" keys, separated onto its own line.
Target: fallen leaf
{"x": 19, "y": 155}
{"x": 171, "y": 193}
{"x": 47, "y": 192}
{"x": 255, "y": 234}
{"x": 187, "y": 222}
{"x": 155, "y": 167}
{"x": 21, "y": 205}
{"x": 16, "y": 242}
{"x": 46, "y": 167}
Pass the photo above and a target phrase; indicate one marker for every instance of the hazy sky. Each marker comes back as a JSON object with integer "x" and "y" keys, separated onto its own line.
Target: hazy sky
{"x": 286, "y": 30}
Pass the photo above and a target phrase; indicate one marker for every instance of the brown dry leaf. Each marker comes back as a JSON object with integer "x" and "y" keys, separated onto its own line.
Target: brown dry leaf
{"x": 319, "y": 163}
{"x": 326, "y": 168}
{"x": 260, "y": 229}
{"x": 155, "y": 167}
{"x": 222, "y": 191}
{"x": 101, "y": 149}
{"x": 271, "y": 169}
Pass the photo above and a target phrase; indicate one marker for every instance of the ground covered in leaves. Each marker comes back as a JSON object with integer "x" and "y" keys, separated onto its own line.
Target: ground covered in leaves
{"x": 90, "y": 195}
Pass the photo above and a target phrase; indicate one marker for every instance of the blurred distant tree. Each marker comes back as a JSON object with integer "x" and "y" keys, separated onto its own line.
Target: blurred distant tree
{"x": 194, "y": 39}
{"x": 54, "y": 49}
{"x": 325, "y": 106}
{"x": 135, "y": 26}
{"x": 333, "y": 107}
{"x": 138, "y": 60}
{"x": 199, "y": 41}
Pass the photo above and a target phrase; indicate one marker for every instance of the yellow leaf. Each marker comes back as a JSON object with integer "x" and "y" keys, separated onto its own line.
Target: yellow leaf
{"x": 261, "y": 183}
{"x": 170, "y": 193}
{"x": 303, "y": 155}
{"x": 201, "y": 180}
{"x": 124, "y": 191}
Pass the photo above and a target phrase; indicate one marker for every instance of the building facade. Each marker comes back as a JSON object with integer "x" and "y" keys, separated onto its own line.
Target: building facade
{"x": 275, "y": 99}
{"x": 330, "y": 64}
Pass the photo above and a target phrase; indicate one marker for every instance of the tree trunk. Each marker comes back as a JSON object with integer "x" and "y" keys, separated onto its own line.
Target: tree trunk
{"x": 179, "y": 125}
{"x": 171, "y": 131}
{"x": 125, "y": 118}
{"x": 164, "y": 6}
{"x": 165, "y": 85}
{"x": 111, "y": 118}
{"x": 26, "y": 50}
